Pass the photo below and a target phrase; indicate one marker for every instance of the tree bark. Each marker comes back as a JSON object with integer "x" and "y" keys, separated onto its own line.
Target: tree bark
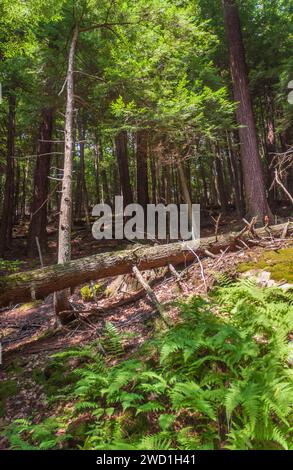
{"x": 236, "y": 177}
{"x": 271, "y": 149}
{"x": 39, "y": 205}
{"x": 220, "y": 182}
{"x": 142, "y": 168}
{"x": 122, "y": 160}
{"x": 21, "y": 287}
{"x": 255, "y": 194}
{"x": 185, "y": 191}
{"x": 153, "y": 179}
{"x": 7, "y": 211}
{"x": 65, "y": 220}
{"x": 82, "y": 205}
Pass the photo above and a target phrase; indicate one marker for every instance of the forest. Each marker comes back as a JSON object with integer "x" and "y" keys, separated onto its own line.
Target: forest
{"x": 146, "y": 225}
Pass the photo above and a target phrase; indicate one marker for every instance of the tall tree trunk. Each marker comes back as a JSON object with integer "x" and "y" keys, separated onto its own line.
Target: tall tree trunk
{"x": 204, "y": 183}
{"x": 185, "y": 191}
{"x": 81, "y": 207}
{"x": 255, "y": 194}
{"x": 236, "y": 177}
{"x": 116, "y": 186}
{"x": 270, "y": 149}
{"x": 142, "y": 168}
{"x": 97, "y": 175}
{"x": 38, "y": 221}
{"x": 7, "y": 211}
{"x": 16, "y": 192}
{"x": 122, "y": 160}
{"x": 105, "y": 194}
{"x": 220, "y": 182}
{"x": 23, "y": 190}
{"x": 65, "y": 220}
{"x": 154, "y": 179}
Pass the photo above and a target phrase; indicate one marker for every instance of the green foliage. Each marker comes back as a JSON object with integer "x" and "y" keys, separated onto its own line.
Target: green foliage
{"x": 8, "y": 388}
{"x": 219, "y": 377}
{"x": 8, "y": 266}
{"x": 89, "y": 293}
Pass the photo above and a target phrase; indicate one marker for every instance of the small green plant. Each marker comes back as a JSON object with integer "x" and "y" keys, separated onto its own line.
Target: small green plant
{"x": 89, "y": 293}
{"x": 7, "y": 266}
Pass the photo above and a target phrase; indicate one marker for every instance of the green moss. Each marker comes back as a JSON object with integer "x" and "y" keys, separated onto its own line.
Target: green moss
{"x": 278, "y": 263}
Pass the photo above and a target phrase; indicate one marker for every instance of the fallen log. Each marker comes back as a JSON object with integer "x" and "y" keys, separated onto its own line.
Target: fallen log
{"x": 22, "y": 287}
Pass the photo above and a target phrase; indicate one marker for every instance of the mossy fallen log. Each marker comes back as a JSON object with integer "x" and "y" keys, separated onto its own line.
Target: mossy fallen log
{"x": 37, "y": 284}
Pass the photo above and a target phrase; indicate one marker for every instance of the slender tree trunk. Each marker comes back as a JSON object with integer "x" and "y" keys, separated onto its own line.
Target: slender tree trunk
{"x": 97, "y": 175}
{"x": 38, "y": 221}
{"x": 105, "y": 196}
{"x": 255, "y": 194}
{"x": 270, "y": 148}
{"x": 82, "y": 207}
{"x": 78, "y": 190}
{"x": 7, "y": 211}
{"x": 142, "y": 168}
{"x": 16, "y": 192}
{"x": 23, "y": 189}
{"x": 122, "y": 160}
{"x": 204, "y": 183}
{"x": 168, "y": 184}
{"x": 214, "y": 201}
{"x": 154, "y": 179}
{"x": 116, "y": 186}
{"x": 162, "y": 184}
{"x": 65, "y": 220}
{"x": 236, "y": 177}
{"x": 220, "y": 182}
{"x": 185, "y": 191}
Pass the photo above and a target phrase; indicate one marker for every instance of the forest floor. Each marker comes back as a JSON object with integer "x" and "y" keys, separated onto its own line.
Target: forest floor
{"x": 29, "y": 339}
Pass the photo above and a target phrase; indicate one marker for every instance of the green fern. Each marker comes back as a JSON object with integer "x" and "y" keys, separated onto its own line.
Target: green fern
{"x": 220, "y": 377}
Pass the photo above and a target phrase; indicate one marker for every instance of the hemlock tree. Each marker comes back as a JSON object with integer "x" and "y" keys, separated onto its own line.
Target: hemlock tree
{"x": 255, "y": 193}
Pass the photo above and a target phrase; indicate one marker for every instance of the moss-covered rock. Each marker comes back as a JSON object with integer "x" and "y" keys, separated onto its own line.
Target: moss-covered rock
{"x": 278, "y": 263}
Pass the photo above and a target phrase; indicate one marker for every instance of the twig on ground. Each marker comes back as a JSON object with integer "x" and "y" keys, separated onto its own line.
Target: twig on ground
{"x": 152, "y": 296}
{"x": 201, "y": 267}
